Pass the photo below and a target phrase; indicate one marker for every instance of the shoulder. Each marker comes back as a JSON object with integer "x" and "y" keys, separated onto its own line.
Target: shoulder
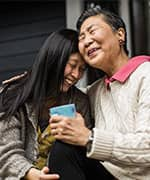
{"x": 79, "y": 93}
{"x": 94, "y": 86}
{"x": 142, "y": 72}
{"x": 14, "y": 78}
{"x": 145, "y": 66}
{"x": 140, "y": 64}
{"x": 1, "y": 88}
{"x": 80, "y": 99}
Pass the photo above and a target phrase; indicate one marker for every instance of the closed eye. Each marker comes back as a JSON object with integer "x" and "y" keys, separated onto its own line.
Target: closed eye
{"x": 73, "y": 66}
{"x": 81, "y": 37}
{"x": 92, "y": 30}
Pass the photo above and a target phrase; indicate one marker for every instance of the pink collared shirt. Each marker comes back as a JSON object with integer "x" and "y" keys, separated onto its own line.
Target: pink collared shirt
{"x": 123, "y": 74}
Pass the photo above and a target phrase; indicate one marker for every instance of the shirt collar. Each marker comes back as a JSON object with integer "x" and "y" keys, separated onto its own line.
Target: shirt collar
{"x": 123, "y": 74}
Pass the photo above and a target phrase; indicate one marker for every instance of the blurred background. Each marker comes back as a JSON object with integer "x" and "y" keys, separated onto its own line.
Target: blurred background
{"x": 24, "y": 25}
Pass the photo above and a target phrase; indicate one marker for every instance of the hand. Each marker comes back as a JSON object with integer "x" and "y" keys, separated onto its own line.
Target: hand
{"x": 70, "y": 130}
{"x": 35, "y": 174}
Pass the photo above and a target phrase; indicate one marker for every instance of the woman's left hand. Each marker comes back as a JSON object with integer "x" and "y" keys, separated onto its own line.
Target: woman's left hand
{"x": 70, "y": 130}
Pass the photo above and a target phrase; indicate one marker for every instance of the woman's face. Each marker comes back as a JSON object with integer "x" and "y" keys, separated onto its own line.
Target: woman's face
{"x": 98, "y": 43}
{"x": 74, "y": 70}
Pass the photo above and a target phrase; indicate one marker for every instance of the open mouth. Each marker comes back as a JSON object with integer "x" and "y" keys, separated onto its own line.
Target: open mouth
{"x": 92, "y": 51}
{"x": 69, "y": 82}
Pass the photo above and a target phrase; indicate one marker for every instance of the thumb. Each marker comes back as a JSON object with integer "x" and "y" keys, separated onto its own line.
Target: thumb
{"x": 45, "y": 170}
{"x": 78, "y": 114}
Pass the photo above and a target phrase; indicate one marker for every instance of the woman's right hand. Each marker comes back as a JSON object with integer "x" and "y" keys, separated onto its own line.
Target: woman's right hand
{"x": 35, "y": 174}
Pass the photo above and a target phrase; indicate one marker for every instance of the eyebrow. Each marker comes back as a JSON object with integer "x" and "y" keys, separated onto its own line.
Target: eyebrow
{"x": 87, "y": 29}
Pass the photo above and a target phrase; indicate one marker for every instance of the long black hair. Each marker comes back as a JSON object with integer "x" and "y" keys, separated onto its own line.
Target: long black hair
{"x": 112, "y": 19}
{"x": 45, "y": 77}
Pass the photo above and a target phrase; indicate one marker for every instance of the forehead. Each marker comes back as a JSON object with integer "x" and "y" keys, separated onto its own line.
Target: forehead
{"x": 97, "y": 20}
{"x": 76, "y": 57}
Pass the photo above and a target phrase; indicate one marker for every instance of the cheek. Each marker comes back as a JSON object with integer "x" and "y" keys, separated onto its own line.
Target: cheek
{"x": 67, "y": 70}
{"x": 114, "y": 46}
{"x": 81, "y": 48}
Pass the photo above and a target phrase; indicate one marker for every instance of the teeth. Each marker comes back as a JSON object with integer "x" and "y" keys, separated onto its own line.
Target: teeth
{"x": 91, "y": 51}
{"x": 69, "y": 81}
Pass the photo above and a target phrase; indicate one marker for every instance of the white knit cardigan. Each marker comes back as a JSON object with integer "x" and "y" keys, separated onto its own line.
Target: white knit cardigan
{"x": 122, "y": 125}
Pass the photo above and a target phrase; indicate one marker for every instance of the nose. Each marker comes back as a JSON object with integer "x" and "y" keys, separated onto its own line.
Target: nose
{"x": 88, "y": 41}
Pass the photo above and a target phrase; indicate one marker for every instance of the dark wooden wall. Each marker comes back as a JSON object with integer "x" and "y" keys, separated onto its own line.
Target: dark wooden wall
{"x": 23, "y": 29}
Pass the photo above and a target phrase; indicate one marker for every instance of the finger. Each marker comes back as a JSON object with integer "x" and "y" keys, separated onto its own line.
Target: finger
{"x": 45, "y": 170}
{"x": 45, "y": 176}
{"x": 57, "y": 131}
{"x": 78, "y": 115}
{"x": 49, "y": 176}
{"x": 60, "y": 131}
{"x": 64, "y": 124}
{"x": 54, "y": 125}
{"x": 60, "y": 128}
{"x": 56, "y": 118}
{"x": 61, "y": 134}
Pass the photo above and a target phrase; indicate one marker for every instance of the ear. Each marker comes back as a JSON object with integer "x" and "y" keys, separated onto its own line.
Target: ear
{"x": 121, "y": 34}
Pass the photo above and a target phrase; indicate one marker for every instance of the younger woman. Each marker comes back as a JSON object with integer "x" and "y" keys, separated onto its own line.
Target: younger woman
{"x": 25, "y": 103}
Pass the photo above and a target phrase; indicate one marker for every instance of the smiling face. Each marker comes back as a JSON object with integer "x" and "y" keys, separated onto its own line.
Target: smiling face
{"x": 99, "y": 44}
{"x": 74, "y": 70}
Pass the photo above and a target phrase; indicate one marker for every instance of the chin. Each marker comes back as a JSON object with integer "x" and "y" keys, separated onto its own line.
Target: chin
{"x": 93, "y": 64}
{"x": 65, "y": 89}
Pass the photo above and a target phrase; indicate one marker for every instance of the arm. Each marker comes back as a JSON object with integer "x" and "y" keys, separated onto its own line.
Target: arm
{"x": 132, "y": 148}
{"x": 13, "y": 162}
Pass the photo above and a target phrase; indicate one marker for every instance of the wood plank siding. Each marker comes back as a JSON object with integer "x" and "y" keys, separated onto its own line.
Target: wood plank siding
{"x": 23, "y": 29}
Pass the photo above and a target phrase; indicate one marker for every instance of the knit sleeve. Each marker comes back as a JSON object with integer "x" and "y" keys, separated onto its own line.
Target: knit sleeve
{"x": 13, "y": 163}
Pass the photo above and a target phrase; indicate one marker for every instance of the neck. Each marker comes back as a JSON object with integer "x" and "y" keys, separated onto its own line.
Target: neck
{"x": 117, "y": 64}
